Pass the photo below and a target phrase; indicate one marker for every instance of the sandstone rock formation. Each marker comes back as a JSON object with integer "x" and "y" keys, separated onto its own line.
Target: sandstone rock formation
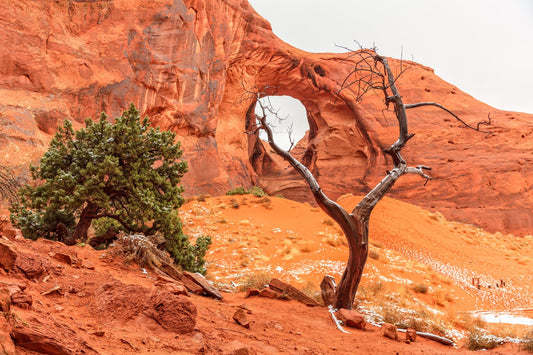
{"x": 185, "y": 64}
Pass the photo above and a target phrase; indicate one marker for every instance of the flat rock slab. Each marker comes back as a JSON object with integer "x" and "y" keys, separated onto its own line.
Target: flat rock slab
{"x": 35, "y": 340}
{"x": 171, "y": 271}
{"x": 202, "y": 282}
{"x": 240, "y": 318}
{"x": 8, "y": 255}
{"x": 351, "y": 318}
{"x": 292, "y": 292}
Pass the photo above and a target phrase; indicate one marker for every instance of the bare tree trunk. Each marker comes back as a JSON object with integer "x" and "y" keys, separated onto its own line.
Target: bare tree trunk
{"x": 377, "y": 75}
{"x": 87, "y": 215}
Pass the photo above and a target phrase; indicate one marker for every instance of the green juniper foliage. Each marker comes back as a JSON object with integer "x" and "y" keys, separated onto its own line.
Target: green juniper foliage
{"x": 126, "y": 171}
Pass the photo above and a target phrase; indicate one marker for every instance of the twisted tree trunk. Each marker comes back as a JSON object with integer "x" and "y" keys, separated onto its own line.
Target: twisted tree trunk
{"x": 80, "y": 233}
{"x": 376, "y": 74}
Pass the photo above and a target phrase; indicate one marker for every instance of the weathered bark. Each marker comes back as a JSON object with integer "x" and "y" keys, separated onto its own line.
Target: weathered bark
{"x": 327, "y": 290}
{"x": 87, "y": 215}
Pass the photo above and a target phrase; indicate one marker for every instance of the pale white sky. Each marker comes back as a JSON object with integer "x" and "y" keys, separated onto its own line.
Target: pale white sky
{"x": 484, "y": 47}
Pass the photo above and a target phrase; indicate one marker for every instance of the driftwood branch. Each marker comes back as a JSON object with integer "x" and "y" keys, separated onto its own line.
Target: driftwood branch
{"x": 433, "y": 337}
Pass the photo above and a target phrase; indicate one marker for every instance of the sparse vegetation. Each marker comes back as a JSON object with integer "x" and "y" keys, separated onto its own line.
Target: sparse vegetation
{"x": 372, "y": 254}
{"x": 479, "y": 340}
{"x": 441, "y": 297}
{"x": 328, "y": 222}
{"x": 527, "y": 341}
{"x": 234, "y": 204}
{"x": 313, "y": 291}
{"x": 421, "y": 288}
{"x": 256, "y": 280}
{"x": 266, "y": 202}
{"x": 241, "y": 190}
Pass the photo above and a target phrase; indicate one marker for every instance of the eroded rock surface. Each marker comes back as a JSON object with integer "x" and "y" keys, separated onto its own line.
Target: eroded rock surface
{"x": 185, "y": 63}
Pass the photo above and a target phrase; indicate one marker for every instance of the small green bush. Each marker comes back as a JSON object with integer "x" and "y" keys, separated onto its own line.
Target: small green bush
{"x": 241, "y": 190}
{"x": 257, "y": 191}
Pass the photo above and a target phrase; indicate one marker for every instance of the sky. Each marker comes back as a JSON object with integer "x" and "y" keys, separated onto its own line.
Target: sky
{"x": 484, "y": 47}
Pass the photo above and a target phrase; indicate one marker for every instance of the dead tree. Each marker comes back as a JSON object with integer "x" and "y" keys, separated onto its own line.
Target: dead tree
{"x": 371, "y": 73}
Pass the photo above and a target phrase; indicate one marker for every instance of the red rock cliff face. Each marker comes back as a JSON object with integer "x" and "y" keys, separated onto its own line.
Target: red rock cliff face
{"x": 185, "y": 64}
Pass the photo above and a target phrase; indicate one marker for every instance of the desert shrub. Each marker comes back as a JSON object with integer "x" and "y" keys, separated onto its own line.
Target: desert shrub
{"x": 372, "y": 254}
{"x": 305, "y": 247}
{"x": 312, "y": 290}
{"x": 239, "y": 190}
{"x": 266, "y": 202}
{"x": 234, "y": 204}
{"x": 527, "y": 340}
{"x": 334, "y": 240}
{"x": 375, "y": 288}
{"x": 478, "y": 340}
{"x": 328, "y": 222}
{"x": 257, "y": 191}
{"x": 469, "y": 322}
{"x": 441, "y": 297}
{"x": 279, "y": 196}
{"x": 258, "y": 281}
{"x": 126, "y": 171}
{"x": 420, "y": 288}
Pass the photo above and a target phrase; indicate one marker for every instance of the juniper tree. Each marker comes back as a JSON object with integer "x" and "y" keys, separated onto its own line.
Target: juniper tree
{"x": 125, "y": 171}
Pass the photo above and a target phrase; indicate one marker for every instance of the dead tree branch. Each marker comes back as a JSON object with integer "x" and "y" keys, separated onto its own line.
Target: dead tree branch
{"x": 371, "y": 72}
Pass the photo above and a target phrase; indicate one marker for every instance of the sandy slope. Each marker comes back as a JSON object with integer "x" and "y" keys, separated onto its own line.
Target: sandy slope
{"x": 290, "y": 240}
{"x": 296, "y": 243}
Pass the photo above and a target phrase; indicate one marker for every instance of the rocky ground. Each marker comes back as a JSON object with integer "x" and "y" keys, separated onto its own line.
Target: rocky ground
{"x": 64, "y": 300}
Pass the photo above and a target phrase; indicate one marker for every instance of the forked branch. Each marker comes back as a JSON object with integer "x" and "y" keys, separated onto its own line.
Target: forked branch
{"x": 371, "y": 72}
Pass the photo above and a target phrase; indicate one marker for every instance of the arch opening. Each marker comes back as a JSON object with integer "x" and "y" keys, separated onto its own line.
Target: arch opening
{"x": 288, "y": 118}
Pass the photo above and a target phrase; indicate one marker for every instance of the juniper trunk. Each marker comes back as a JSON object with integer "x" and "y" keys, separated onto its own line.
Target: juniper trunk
{"x": 87, "y": 215}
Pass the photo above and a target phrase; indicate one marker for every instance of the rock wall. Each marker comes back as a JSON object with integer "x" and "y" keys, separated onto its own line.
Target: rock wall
{"x": 188, "y": 63}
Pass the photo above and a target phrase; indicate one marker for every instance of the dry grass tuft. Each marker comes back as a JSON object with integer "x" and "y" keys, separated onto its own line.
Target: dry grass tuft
{"x": 312, "y": 290}
{"x": 442, "y": 297}
{"x": 328, "y": 222}
{"x": 334, "y": 240}
{"x": 306, "y": 247}
{"x": 527, "y": 340}
{"x": 258, "y": 281}
{"x": 479, "y": 340}
{"x": 421, "y": 288}
{"x": 266, "y": 202}
{"x": 372, "y": 254}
